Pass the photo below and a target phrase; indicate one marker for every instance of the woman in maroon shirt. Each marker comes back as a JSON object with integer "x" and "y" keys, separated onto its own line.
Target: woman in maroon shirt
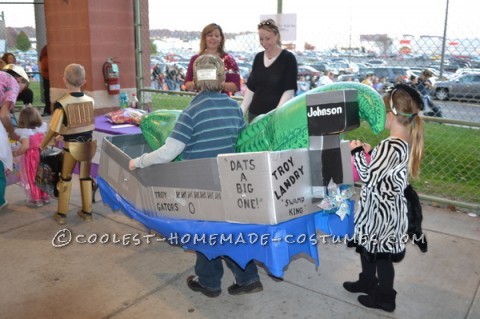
{"x": 212, "y": 42}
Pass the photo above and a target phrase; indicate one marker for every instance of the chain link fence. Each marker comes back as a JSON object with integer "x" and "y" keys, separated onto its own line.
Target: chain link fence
{"x": 451, "y": 166}
{"x": 450, "y": 171}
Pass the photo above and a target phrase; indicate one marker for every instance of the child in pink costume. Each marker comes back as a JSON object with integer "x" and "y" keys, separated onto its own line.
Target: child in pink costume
{"x": 31, "y": 130}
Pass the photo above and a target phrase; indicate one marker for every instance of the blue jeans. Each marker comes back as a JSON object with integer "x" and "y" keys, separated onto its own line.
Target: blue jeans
{"x": 171, "y": 85}
{"x": 3, "y": 183}
{"x": 426, "y": 102}
{"x": 210, "y": 272}
{"x": 435, "y": 110}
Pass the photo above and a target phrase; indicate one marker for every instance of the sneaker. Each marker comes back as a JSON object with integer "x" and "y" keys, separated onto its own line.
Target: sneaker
{"x": 35, "y": 203}
{"x": 275, "y": 278}
{"x": 85, "y": 216}
{"x": 235, "y": 289}
{"x": 4, "y": 204}
{"x": 61, "y": 219}
{"x": 193, "y": 284}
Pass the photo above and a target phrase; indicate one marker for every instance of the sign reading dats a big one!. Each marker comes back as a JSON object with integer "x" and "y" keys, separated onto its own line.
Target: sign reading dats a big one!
{"x": 265, "y": 187}
{"x": 245, "y": 184}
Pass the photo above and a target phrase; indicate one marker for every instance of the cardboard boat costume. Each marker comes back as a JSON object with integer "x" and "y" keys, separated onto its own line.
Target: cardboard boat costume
{"x": 186, "y": 197}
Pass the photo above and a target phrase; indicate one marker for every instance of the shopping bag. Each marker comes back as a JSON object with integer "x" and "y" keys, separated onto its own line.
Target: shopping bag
{"x": 48, "y": 170}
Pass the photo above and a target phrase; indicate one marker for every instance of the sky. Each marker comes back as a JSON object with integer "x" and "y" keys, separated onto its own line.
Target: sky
{"x": 315, "y": 19}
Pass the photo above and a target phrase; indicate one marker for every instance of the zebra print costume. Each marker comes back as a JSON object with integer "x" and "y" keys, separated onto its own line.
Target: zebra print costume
{"x": 381, "y": 218}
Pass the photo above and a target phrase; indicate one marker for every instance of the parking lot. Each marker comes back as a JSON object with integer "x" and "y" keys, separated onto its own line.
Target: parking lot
{"x": 463, "y": 111}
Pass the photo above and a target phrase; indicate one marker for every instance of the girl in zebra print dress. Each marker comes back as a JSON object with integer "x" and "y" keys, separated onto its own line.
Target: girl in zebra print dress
{"x": 381, "y": 218}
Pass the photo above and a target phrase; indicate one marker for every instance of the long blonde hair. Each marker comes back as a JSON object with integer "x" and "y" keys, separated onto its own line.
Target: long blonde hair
{"x": 407, "y": 105}
{"x": 203, "y": 41}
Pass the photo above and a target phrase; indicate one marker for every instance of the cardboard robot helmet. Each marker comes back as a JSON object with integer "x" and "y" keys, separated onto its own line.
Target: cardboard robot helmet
{"x": 18, "y": 70}
{"x": 208, "y": 73}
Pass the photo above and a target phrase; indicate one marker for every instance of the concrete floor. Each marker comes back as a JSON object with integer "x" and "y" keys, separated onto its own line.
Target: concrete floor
{"x": 121, "y": 280}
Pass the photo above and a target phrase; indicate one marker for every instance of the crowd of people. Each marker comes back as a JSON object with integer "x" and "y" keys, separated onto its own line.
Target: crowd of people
{"x": 171, "y": 78}
{"x": 209, "y": 126}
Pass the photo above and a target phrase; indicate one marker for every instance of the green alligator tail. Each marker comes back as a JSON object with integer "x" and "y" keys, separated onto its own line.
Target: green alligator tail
{"x": 157, "y": 126}
{"x": 286, "y": 127}
{"x": 280, "y": 129}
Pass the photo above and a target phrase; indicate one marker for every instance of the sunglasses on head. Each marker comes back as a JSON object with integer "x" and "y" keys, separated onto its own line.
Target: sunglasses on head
{"x": 266, "y": 22}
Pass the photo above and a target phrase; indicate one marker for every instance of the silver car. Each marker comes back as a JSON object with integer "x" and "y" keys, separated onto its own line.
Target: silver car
{"x": 466, "y": 86}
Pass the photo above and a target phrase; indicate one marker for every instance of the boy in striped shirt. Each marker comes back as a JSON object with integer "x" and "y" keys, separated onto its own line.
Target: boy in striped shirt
{"x": 207, "y": 127}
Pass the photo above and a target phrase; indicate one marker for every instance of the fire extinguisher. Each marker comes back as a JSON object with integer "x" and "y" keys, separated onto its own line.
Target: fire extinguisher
{"x": 111, "y": 76}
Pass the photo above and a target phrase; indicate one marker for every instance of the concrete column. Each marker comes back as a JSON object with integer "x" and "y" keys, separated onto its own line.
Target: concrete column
{"x": 40, "y": 30}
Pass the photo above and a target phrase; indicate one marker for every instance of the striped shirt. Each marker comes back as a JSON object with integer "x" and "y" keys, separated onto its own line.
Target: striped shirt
{"x": 209, "y": 126}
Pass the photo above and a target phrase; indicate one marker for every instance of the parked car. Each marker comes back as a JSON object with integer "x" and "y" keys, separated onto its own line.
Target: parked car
{"x": 466, "y": 86}
{"x": 307, "y": 72}
{"x": 389, "y": 72}
{"x": 244, "y": 72}
{"x": 346, "y": 67}
{"x": 348, "y": 77}
{"x": 324, "y": 67}
{"x": 465, "y": 71}
{"x": 377, "y": 62}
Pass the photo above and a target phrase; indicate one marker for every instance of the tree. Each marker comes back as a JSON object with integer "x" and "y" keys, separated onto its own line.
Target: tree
{"x": 23, "y": 42}
{"x": 381, "y": 41}
{"x": 153, "y": 47}
{"x": 308, "y": 46}
{"x": 384, "y": 43}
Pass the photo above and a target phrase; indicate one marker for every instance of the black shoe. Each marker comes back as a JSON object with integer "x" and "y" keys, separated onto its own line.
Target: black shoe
{"x": 46, "y": 114}
{"x": 235, "y": 289}
{"x": 362, "y": 285}
{"x": 275, "y": 278}
{"x": 377, "y": 300}
{"x": 192, "y": 283}
{"x": 359, "y": 286}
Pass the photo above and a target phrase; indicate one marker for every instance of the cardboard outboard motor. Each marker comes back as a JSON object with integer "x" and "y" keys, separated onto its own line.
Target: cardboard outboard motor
{"x": 328, "y": 115}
